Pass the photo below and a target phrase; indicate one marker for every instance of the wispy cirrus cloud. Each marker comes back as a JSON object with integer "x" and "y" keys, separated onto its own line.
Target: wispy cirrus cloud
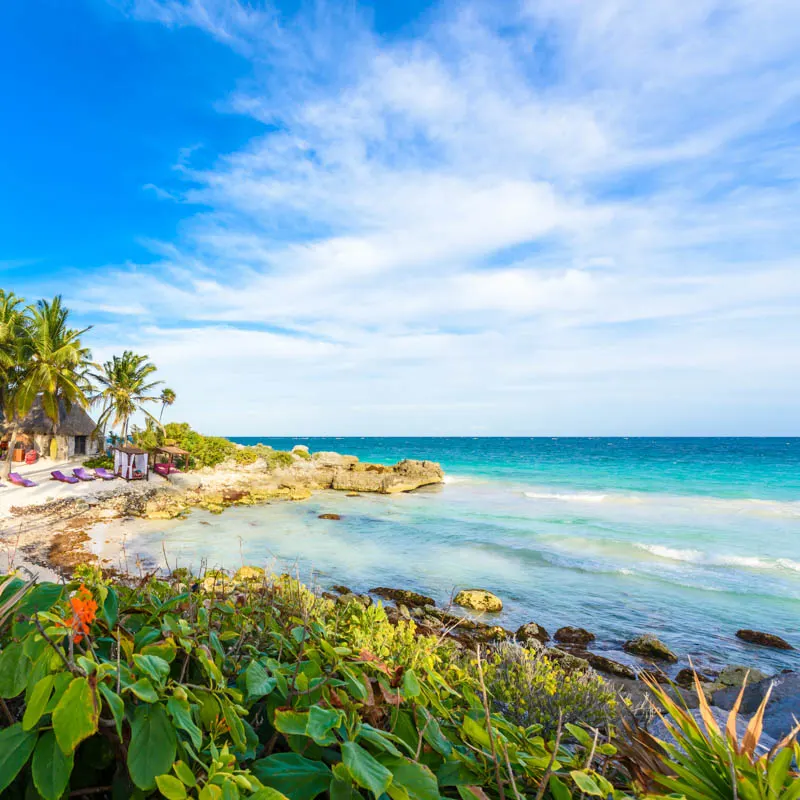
{"x": 505, "y": 206}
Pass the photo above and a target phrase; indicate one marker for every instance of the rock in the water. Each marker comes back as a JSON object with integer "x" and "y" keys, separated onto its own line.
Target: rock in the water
{"x": 685, "y": 678}
{"x": 654, "y": 675}
{"x": 478, "y": 600}
{"x": 764, "y": 639}
{"x": 531, "y": 631}
{"x": 403, "y": 596}
{"x": 329, "y": 516}
{"x": 649, "y": 646}
{"x": 735, "y": 674}
{"x": 573, "y": 636}
{"x": 609, "y": 667}
{"x": 405, "y": 476}
{"x": 341, "y": 589}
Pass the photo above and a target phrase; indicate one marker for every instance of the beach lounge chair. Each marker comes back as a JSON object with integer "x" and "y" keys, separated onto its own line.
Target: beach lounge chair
{"x": 102, "y": 472}
{"x": 82, "y": 475}
{"x": 18, "y": 480}
{"x": 58, "y": 475}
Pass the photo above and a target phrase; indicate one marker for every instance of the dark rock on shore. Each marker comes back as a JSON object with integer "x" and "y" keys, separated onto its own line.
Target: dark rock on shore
{"x": 654, "y": 675}
{"x": 649, "y": 646}
{"x": 685, "y": 678}
{"x": 531, "y": 631}
{"x": 608, "y": 666}
{"x": 338, "y": 587}
{"x": 573, "y": 636}
{"x": 329, "y": 516}
{"x": 763, "y": 639}
{"x": 403, "y": 596}
{"x": 568, "y": 661}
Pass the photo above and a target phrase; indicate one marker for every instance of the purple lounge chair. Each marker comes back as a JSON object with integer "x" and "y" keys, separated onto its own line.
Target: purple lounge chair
{"x": 82, "y": 475}
{"x": 58, "y": 475}
{"x": 18, "y": 480}
{"x": 102, "y": 472}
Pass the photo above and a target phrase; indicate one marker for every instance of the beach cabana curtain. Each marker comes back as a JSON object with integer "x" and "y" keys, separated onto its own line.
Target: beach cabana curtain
{"x": 125, "y": 464}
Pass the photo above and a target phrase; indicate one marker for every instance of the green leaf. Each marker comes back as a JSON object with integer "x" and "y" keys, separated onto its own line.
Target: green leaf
{"x": 268, "y": 793}
{"x": 181, "y": 713}
{"x": 182, "y": 770}
{"x": 75, "y": 717}
{"x": 292, "y": 723}
{"x": 415, "y": 778}
{"x": 153, "y": 667}
{"x": 433, "y": 734}
{"x": 111, "y": 608}
{"x": 475, "y": 731}
{"x": 37, "y": 702}
{"x": 586, "y": 783}
{"x": 14, "y": 666}
{"x": 559, "y": 789}
{"x": 296, "y": 777}
{"x": 166, "y": 650}
{"x": 235, "y": 726}
{"x": 256, "y": 680}
{"x": 152, "y": 747}
{"x": 365, "y": 770}
{"x": 144, "y": 690}
{"x": 411, "y": 686}
{"x": 115, "y": 704}
{"x": 343, "y": 790}
{"x": 16, "y": 746}
{"x": 321, "y": 722}
{"x": 51, "y": 768}
{"x": 41, "y": 598}
{"x": 170, "y": 787}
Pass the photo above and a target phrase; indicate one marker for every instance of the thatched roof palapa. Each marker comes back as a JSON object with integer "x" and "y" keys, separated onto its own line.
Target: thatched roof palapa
{"x": 171, "y": 450}
{"x": 75, "y": 422}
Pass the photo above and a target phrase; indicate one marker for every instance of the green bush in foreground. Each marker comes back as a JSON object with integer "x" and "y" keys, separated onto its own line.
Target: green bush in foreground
{"x": 254, "y": 687}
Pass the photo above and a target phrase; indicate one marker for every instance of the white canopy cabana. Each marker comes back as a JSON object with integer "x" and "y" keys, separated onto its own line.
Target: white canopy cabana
{"x": 131, "y": 463}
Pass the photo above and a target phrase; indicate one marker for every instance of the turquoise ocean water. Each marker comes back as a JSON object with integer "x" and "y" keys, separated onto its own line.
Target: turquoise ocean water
{"x": 688, "y": 538}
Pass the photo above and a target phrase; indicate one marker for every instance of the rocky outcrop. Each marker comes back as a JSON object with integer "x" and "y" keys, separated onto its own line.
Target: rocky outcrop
{"x": 532, "y": 632}
{"x": 578, "y": 637}
{"x": 763, "y": 639}
{"x": 478, "y": 600}
{"x": 403, "y": 596}
{"x": 649, "y": 646}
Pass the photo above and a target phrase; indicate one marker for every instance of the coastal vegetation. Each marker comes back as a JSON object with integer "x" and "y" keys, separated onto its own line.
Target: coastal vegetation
{"x": 41, "y": 356}
{"x": 254, "y": 686}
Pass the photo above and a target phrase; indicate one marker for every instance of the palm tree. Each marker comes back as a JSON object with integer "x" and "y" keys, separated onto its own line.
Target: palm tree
{"x": 47, "y": 360}
{"x": 167, "y": 399}
{"x": 124, "y": 389}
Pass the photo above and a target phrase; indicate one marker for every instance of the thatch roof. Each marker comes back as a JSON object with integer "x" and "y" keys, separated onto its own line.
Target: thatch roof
{"x": 131, "y": 450}
{"x": 171, "y": 450}
{"x": 75, "y": 422}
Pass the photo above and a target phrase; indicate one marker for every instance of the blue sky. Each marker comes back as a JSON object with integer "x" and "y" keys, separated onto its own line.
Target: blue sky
{"x": 543, "y": 217}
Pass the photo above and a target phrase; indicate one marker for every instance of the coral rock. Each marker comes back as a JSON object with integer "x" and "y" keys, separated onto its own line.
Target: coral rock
{"x": 478, "y": 600}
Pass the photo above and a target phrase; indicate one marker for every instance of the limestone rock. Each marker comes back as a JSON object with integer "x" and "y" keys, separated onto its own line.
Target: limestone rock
{"x": 531, "y": 631}
{"x": 333, "y": 459}
{"x": 298, "y": 448}
{"x": 763, "y": 639}
{"x": 649, "y": 646}
{"x": 403, "y": 596}
{"x": 478, "y": 600}
{"x": 573, "y": 636}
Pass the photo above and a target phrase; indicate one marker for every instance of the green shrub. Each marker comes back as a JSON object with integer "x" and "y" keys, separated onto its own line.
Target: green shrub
{"x": 246, "y": 456}
{"x": 255, "y": 688}
{"x": 278, "y": 459}
{"x": 530, "y": 689}
{"x": 205, "y": 451}
{"x": 102, "y": 460}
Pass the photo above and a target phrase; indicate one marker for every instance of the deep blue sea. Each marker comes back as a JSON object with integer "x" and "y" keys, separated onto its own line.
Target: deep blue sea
{"x": 689, "y": 538}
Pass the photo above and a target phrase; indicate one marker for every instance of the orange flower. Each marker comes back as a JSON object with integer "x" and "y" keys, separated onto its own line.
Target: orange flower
{"x": 84, "y": 612}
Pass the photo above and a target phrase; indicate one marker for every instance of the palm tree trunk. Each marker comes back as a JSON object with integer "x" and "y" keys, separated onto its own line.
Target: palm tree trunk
{"x": 10, "y": 452}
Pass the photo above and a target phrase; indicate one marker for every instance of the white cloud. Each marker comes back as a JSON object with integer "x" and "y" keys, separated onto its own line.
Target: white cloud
{"x": 595, "y": 203}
